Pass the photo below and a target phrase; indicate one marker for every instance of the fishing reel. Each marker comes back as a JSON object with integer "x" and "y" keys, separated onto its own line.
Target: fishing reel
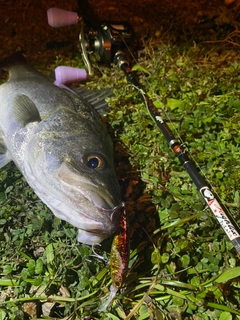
{"x": 105, "y": 38}
{"x": 109, "y": 39}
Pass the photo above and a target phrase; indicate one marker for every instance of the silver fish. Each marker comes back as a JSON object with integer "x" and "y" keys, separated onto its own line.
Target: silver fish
{"x": 60, "y": 145}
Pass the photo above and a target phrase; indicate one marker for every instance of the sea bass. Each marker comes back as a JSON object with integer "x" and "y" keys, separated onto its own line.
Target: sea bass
{"x": 58, "y": 142}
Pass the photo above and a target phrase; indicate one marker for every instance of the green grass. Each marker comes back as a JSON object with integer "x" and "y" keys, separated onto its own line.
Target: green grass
{"x": 182, "y": 266}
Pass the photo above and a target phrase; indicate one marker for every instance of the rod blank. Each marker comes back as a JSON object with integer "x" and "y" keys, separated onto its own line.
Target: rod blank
{"x": 221, "y": 213}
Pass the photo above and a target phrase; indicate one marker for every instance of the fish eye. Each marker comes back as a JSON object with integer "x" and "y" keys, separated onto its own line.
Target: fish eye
{"x": 94, "y": 162}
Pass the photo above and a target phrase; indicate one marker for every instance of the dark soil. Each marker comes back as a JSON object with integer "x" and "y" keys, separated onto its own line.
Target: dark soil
{"x": 24, "y": 26}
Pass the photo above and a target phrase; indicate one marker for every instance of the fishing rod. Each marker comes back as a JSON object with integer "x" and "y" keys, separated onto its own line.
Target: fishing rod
{"x": 108, "y": 39}
{"x": 222, "y": 214}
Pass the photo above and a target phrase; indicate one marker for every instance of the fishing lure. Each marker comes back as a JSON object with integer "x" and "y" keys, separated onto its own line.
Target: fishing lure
{"x": 119, "y": 258}
{"x": 119, "y": 255}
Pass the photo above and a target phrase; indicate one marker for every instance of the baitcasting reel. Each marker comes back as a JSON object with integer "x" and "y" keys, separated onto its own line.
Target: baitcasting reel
{"x": 105, "y": 38}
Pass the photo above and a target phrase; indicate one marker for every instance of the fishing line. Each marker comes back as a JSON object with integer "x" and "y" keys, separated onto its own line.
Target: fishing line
{"x": 183, "y": 145}
{"x": 213, "y": 201}
{"x": 163, "y": 111}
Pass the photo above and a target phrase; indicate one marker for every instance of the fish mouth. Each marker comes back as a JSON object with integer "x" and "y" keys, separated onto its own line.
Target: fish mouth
{"x": 113, "y": 210}
{"x": 95, "y": 203}
{"x": 102, "y": 201}
{"x": 101, "y": 198}
{"x": 93, "y": 237}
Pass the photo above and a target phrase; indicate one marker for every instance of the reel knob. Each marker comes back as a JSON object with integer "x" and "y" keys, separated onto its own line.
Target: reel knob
{"x": 59, "y": 18}
{"x": 65, "y": 74}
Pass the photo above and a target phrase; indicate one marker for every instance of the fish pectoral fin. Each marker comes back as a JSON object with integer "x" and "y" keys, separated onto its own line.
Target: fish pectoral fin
{"x": 25, "y": 110}
{"x": 4, "y": 155}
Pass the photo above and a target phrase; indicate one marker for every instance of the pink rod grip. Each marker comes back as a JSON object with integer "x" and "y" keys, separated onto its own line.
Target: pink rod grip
{"x": 65, "y": 74}
{"x": 60, "y": 18}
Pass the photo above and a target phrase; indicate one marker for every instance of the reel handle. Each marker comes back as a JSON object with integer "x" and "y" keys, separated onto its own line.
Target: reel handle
{"x": 59, "y": 18}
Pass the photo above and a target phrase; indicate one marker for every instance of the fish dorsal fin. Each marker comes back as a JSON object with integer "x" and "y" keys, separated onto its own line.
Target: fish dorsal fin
{"x": 96, "y": 97}
{"x": 25, "y": 110}
{"x": 4, "y": 155}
